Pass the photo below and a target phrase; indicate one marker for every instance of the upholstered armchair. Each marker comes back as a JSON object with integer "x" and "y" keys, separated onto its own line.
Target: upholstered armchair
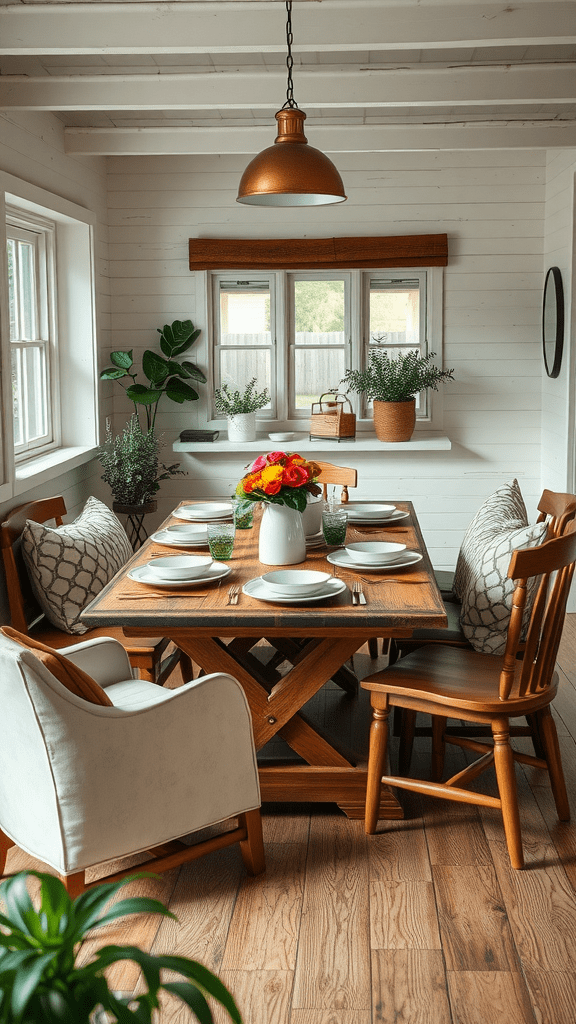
{"x": 82, "y": 783}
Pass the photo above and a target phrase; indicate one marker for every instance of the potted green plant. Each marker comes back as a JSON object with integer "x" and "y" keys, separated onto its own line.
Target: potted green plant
{"x": 164, "y": 374}
{"x": 392, "y": 385}
{"x": 40, "y": 982}
{"x": 240, "y": 407}
{"x": 131, "y": 463}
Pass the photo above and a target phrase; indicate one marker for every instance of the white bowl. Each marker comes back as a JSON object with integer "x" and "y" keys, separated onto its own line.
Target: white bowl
{"x": 180, "y": 567}
{"x": 295, "y": 582}
{"x": 371, "y": 511}
{"x": 188, "y": 531}
{"x": 282, "y": 436}
{"x": 374, "y": 551}
{"x": 209, "y": 508}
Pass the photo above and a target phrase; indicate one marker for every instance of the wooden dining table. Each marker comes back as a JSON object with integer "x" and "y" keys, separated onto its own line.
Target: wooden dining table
{"x": 314, "y": 641}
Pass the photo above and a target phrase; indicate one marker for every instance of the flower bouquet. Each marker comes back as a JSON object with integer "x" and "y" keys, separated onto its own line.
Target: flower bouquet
{"x": 280, "y": 478}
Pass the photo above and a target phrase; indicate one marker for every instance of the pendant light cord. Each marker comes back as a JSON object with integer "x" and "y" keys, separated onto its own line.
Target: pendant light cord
{"x": 290, "y": 101}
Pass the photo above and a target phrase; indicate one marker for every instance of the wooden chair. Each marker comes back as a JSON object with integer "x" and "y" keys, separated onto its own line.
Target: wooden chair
{"x": 486, "y": 690}
{"x": 330, "y": 474}
{"x": 559, "y": 510}
{"x": 151, "y": 657}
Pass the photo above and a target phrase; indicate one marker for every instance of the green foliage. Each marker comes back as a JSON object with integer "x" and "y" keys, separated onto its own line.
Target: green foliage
{"x": 131, "y": 463}
{"x": 319, "y": 306}
{"x": 165, "y": 375}
{"x": 230, "y": 403}
{"x": 395, "y": 380}
{"x": 40, "y": 983}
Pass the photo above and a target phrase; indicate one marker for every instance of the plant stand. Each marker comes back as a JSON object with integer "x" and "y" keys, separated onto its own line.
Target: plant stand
{"x": 134, "y": 525}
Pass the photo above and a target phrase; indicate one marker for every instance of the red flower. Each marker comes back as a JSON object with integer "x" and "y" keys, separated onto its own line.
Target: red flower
{"x": 295, "y": 476}
{"x": 275, "y": 457}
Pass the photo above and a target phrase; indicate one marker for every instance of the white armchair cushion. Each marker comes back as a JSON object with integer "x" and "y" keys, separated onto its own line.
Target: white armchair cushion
{"x": 69, "y": 565}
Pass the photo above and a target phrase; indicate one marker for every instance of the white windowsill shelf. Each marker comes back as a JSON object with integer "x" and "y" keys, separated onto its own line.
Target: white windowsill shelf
{"x": 420, "y": 442}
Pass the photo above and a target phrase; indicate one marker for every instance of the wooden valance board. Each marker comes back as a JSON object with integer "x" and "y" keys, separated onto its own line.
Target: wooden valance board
{"x": 318, "y": 253}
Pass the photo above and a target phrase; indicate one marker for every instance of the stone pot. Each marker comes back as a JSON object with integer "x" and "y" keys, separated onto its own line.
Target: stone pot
{"x": 395, "y": 421}
{"x": 242, "y": 427}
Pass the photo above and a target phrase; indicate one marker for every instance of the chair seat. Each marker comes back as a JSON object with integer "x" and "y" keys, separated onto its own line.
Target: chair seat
{"x": 435, "y": 673}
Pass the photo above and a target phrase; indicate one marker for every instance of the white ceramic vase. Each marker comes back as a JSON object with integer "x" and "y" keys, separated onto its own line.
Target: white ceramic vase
{"x": 282, "y": 540}
{"x": 312, "y": 515}
{"x": 242, "y": 427}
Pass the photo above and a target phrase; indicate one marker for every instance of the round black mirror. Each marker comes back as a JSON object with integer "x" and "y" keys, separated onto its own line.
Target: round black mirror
{"x": 553, "y": 322}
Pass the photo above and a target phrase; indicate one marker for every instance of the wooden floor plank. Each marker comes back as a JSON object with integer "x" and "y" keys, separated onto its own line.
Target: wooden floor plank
{"x": 331, "y": 1017}
{"x": 474, "y": 928}
{"x": 260, "y": 995}
{"x": 409, "y": 987}
{"x": 333, "y": 969}
{"x": 481, "y": 996}
{"x": 553, "y": 996}
{"x": 403, "y": 916}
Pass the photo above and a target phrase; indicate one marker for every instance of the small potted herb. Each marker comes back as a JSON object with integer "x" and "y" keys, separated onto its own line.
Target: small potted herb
{"x": 131, "y": 463}
{"x": 40, "y": 982}
{"x": 392, "y": 385}
{"x": 240, "y": 407}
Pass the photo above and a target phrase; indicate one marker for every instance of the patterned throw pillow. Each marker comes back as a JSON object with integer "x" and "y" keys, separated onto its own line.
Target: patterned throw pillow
{"x": 481, "y": 580}
{"x": 69, "y": 565}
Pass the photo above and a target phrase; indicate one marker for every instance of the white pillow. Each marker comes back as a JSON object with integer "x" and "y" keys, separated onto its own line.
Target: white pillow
{"x": 69, "y": 565}
{"x": 481, "y": 580}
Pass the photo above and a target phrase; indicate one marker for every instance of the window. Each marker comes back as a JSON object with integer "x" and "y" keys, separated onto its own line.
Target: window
{"x": 33, "y": 356}
{"x": 298, "y": 333}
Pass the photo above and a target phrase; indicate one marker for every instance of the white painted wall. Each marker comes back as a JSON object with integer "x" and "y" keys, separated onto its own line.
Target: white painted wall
{"x": 491, "y": 204}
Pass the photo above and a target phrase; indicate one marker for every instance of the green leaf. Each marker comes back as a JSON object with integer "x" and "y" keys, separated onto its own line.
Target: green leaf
{"x": 193, "y": 998}
{"x": 56, "y": 905}
{"x": 122, "y": 359}
{"x": 134, "y": 905}
{"x": 179, "y": 391}
{"x": 143, "y": 396}
{"x": 155, "y": 367}
{"x": 295, "y": 498}
{"x": 194, "y": 371}
{"x": 110, "y": 373}
{"x": 17, "y": 900}
{"x": 26, "y": 981}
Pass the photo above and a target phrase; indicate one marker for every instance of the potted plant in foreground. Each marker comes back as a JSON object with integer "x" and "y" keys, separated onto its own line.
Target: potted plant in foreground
{"x": 131, "y": 463}
{"x": 40, "y": 982}
{"x": 392, "y": 385}
{"x": 240, "y": 407}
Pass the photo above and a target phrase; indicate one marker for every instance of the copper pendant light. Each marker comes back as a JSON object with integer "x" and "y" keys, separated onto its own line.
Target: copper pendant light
{"x": 290, "y": 173}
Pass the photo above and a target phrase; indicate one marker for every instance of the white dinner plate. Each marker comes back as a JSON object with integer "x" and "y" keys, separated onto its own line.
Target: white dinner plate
{"x": 204, "y": 512}
{"x": 395, "y": 517}
{"x": 342, "y": 558}
{"x": 258, "y": 589}
{"x": 169, "y": 539}
{"x": 315, "y": 540}
{"x": 143, "y": 574}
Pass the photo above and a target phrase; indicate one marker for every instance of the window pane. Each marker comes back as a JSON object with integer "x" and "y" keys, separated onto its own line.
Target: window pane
{"x": 316, "y": 371}
{"x": 27, "y": 292}
{"x": 244, "y": 313}
{"x": 237, "y": 368}
{"x": 394, "y": 313}
{"x": 35, "y": 391}
{"x": 12, "y": 288}
{"x": 17, "y": 396}
{"x": 319, "y": 312}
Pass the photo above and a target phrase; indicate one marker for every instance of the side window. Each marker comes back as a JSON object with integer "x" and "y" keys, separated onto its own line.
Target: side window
{"x": 397, "y": 318}
{"x": 30, "y": 252}
{"x": 245, "y": 335}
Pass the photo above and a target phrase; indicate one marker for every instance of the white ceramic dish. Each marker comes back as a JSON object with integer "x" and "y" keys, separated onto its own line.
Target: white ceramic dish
{"x": 170, "y": 540}
{"x": 180, "y": 567}
{"x": 203, "y": 513}
{"x": 342, "y": 559}
{"x": 295, "y": 582}
{"x": 374, "y": 551}
{"x": 256, "y": 588}
{"x": 370, "y": 511}
{"x": 142, "y": 574}
{"x": 187, "y": 530}
{"x": 387, "y": 521}
{"x": 282, "y": 436}
{"x": 315, "y": 541}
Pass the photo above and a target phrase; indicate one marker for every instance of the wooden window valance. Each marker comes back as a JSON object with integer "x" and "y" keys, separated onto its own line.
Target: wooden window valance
{"x": 318, "y": 253}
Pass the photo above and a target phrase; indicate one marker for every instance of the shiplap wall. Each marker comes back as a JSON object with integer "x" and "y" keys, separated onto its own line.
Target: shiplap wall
{"x": 558, "y": 471}
{"x": 32, "y": 149}
{"x": 491, "y": 204}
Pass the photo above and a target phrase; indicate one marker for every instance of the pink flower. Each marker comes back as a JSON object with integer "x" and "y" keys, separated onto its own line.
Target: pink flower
{"x": 258, "y": 464}
{"x": 274, "y": 457}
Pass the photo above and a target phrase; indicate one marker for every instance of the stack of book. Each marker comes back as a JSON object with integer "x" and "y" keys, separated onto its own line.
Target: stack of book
{"x": 199, "y": 435}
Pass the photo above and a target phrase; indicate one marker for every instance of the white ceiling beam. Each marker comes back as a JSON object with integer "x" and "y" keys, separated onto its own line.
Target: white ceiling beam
{"x": 352, "y": 139}
{"x": 333, "y": 25}
{"x": 532, "y": 84}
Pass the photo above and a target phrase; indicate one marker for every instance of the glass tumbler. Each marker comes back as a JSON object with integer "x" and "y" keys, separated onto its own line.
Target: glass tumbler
{"x": 334, "y": 527}
{"x": 221, "y": 540}
{"x": 243, "y": 513}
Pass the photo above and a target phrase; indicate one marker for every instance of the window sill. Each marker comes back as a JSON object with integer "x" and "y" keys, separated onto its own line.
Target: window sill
{"x": 45, "y": 467}
{"x": 420, "y": 442}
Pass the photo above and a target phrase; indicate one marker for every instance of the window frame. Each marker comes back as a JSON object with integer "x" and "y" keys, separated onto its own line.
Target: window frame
{"x": 431, "y": 415}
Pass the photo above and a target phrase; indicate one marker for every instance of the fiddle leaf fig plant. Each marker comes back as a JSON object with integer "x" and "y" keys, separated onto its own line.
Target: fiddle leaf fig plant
{"x": 165, "y": 374}
{"x": 41, "y": 983}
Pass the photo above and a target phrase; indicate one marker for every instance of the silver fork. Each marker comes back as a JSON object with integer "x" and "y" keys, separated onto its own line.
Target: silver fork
{"x": 233, "y": 594}
{"x": 360, "y": 598}
{"x": 356, "y": 591}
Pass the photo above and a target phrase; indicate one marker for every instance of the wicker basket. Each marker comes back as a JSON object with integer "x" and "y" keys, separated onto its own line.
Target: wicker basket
{"x": 330, "y": 418}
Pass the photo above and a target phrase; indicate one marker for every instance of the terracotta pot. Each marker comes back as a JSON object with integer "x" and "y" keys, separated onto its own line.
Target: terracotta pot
{"x": 395, "y": 421}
